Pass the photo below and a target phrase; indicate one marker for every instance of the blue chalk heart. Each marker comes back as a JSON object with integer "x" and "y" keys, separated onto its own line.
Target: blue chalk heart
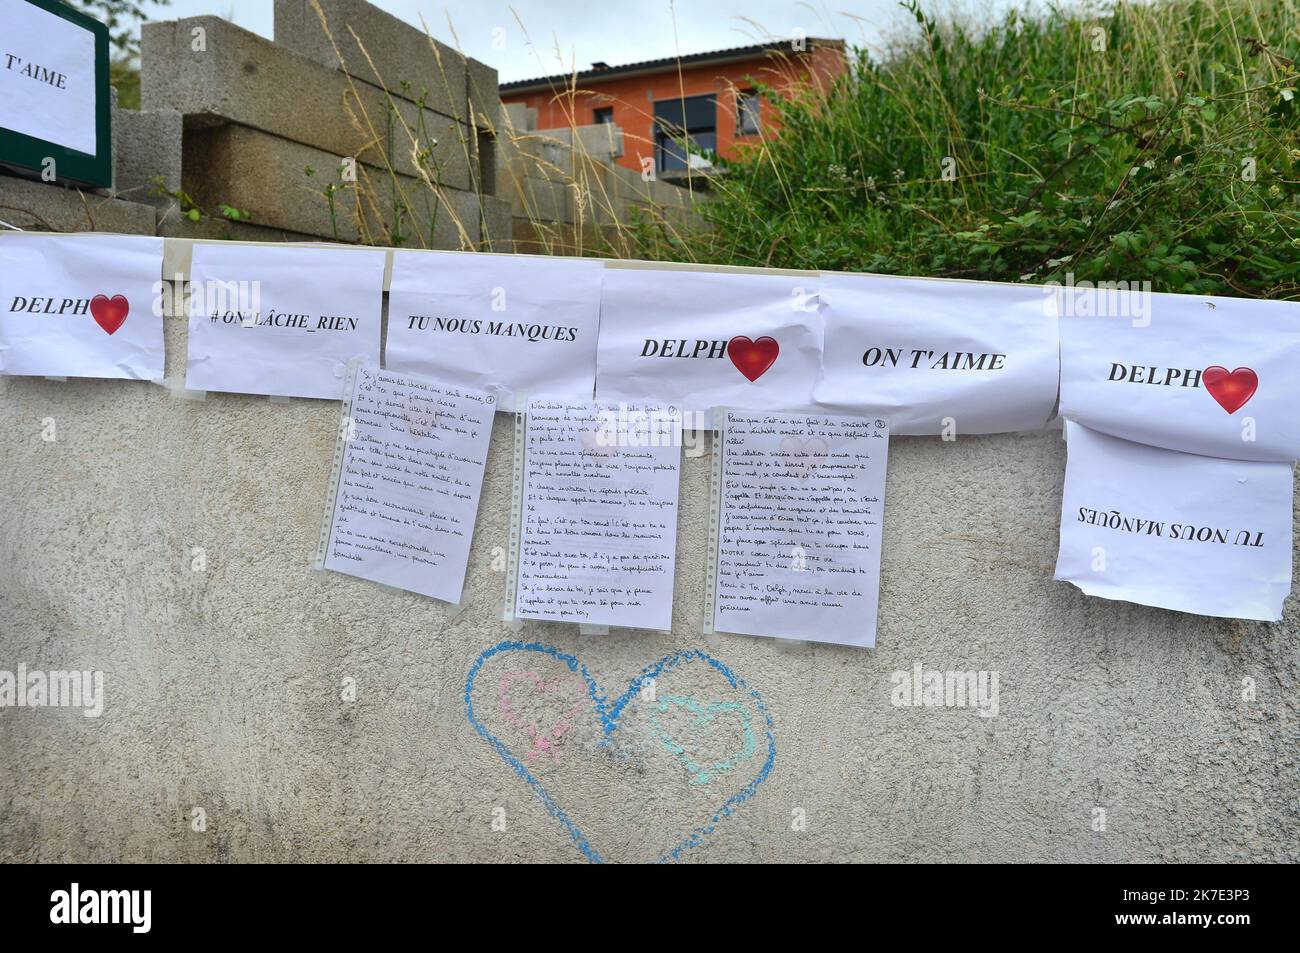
{"x": 609, "y": 720}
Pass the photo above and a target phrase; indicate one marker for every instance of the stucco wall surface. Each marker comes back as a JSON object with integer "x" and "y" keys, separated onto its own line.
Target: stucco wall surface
{"x": 226, "y": 686}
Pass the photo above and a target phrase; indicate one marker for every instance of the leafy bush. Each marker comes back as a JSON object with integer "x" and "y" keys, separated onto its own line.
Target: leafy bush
{"x": 1158, "y": 141}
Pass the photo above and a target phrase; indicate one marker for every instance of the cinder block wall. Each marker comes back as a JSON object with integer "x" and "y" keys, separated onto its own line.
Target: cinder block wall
{"x": 568, "y": 195}
{"x": 146, "y": 153}
{"x": 351, "y": 126}
{"x": 1124, "y": 733}
{"x": 354, "y": 127}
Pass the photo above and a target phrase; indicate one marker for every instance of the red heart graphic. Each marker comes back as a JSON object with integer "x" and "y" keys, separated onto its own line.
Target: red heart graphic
{"x": 1230, "y": 389}
{"x": 109, "y": 314}
{"x": 753, "y": 358}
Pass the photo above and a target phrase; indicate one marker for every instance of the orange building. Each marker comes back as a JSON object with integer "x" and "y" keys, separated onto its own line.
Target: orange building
{"x": 710, "y": 97}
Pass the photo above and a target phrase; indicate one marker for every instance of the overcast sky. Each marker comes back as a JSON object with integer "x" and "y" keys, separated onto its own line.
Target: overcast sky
{"x": 529, "y": 38}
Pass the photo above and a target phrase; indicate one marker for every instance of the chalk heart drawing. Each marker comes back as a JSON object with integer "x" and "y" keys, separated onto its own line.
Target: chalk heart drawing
{"x": 753, "y": 358}
{"x": 522, "y": 656}
{"x": 542, "y": 738}
{"x": 804, "y": 456}
{"x": 109, "y": 313}
{"x": 1231, "y": 389}
{"x": 705, "y": 716}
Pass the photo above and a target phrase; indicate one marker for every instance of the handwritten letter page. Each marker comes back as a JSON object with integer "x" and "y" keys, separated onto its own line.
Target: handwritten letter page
{"x": 802, "y": 500}
{"x": 599, "y": 513}
{"x": 414, "y": 451}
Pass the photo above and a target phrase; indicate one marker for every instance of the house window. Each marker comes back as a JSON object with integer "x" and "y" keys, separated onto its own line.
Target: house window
{"x": 747, "y": 107}
{"x": 678, "y": 122}
{"x": 603, "y": 114}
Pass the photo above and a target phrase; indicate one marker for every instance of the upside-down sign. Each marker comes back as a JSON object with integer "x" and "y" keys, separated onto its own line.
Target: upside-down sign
{"x": 1175, "y": 530}
{"x": 707, "y": 339}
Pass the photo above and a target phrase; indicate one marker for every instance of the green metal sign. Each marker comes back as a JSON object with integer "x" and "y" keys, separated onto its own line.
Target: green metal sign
{"x": 55, "y": 104}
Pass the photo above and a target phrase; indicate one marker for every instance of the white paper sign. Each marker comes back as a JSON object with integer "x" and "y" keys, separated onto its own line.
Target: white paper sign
{"x": 598, "y": 539}
{"x": 970, "y": 357}
{"x": 708, "y": 339}
{"x": 413, "y": 454}
{"x": 1215, "y": 376}
{"x": 81, "y": 306}
{"x": 282, "y": 321}
{"x": 47, "y": 77}
{"x": 1175, "y": 530}
{"x": 503, "y": 323}
{"x": 802, "y": 501}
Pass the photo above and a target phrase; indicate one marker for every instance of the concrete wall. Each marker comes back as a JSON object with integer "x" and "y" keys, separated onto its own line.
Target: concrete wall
{"x": 225, "y": 680}
{"x": 269, "y": 126}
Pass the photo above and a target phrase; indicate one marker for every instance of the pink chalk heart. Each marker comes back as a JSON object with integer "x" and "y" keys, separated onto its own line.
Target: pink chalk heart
{"x": 541, "y": 738}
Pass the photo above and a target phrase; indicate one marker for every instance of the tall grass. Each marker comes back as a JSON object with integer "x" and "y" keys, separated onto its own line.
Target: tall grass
{"x": 1154, "y": 141}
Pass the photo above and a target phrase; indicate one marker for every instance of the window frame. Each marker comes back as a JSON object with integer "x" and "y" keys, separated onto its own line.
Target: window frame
{"x": 743, "y": 98}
